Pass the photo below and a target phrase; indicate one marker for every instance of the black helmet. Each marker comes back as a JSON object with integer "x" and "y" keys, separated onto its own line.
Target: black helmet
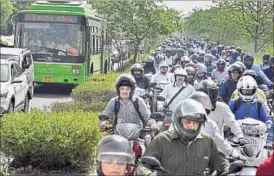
{"x": 114, "y": 148}
{"x": 271, "y": 60}
{"x": 194, "y": 57}
{"x": 248, "y": 56}
{"x": 192, "y": 110}
{"x": 125, "y": 80}
{"x": 266, "y": 56}
{"x": 211, "y": 89}
{"x": 250, "y": 73}
{"x": 137, "y": 67}
{"x": 221, "y": 63}
{"x": 235, "y": 67}
{"x": 239, "y": 49}
{"x": 234, "y": 53}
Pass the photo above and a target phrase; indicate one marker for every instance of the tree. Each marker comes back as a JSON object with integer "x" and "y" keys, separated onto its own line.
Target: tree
{"x": 6, "y": 11}
{"x": 138, "y": 20}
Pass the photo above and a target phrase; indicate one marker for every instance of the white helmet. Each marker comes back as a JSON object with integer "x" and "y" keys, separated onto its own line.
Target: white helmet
{"x": 180, "y": 72}
{"x": 185, "y": 59}
{"x": 249, "y": 83}
{"x": 163, "y": 64}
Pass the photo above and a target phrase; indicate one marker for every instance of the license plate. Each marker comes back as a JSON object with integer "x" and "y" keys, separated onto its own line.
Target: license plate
{"x": 253, "y": 141}
{"x": 47, "y": 79}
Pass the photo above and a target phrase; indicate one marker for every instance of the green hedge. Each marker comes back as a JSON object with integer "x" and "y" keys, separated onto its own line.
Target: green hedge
{"x": 72, "y": 106}
{"x": 51, "y": 140}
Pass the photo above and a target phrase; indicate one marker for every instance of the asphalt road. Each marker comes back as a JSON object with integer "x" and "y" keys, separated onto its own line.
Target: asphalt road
{"x": 46, "y": 94}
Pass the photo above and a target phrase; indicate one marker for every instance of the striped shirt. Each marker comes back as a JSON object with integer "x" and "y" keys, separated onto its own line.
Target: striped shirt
{"x": 182, "y": 158}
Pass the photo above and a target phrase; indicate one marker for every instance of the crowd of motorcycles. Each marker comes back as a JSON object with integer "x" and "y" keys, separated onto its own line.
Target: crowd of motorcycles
{"x": 195, "y": 56}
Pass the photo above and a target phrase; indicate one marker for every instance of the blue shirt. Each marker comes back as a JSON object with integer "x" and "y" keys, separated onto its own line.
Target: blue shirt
{"x": 250, "y": 109}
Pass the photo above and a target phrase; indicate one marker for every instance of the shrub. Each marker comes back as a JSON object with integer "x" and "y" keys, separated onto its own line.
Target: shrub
{"x": 54, "y": 140}
{"x": 72, "y": 106}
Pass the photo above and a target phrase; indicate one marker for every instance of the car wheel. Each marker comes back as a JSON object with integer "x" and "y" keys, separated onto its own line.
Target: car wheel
{"x": 26, "y": 104}
{"x": 11, "y": 107}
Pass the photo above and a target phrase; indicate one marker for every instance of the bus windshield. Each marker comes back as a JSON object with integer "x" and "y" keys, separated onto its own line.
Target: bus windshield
{"x": 52, "y": 42}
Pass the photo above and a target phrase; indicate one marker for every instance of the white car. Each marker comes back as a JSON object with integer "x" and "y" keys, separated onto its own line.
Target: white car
{"x": 13, "y": 87}
{"x": 24, "y": 59}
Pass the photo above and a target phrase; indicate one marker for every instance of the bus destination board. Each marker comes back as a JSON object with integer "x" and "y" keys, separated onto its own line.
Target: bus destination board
{"x": 51, "y": 18}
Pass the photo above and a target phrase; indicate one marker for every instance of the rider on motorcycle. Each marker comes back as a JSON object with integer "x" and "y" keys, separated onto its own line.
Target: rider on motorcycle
{"x": 260, "y": 93}
{"x": 169, "y": 91}
{"x": 114, "y": 156}
{"x": 150, "y": 65}
{"x": 168, "y": 58}
{"x": 184, "y": 60}
{"x": 248, "y": 61}
{"x": 247, "y": 105}
{"x": 137, "y": 71}
{"x": 269, "y": 72}
{"x": 265, "y": 63}
{"x": 200, "y": 74}
{"x": 220, "y": 72}
{"x": 186, "y": 150}
{"x": 208, "y": 63}
{"x": 162, "y": 75}
{"x": 220, "y": 112}
{"x": 227, "y": 87}
{"x": 191, "y": 73}
{"x": 234, "y": 56}
{"x": 125, "y": 100}
{"x": 212, "y": 128}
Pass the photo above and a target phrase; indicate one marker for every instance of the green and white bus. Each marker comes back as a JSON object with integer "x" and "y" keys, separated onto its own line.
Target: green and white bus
{"x": 65, "y": 40}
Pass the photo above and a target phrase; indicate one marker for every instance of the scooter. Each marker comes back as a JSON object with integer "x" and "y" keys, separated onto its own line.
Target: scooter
{"x": 255, "y": 132}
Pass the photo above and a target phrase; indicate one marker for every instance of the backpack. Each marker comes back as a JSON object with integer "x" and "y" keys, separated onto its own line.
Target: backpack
{"x": 136, "y": 107}
{"x": 238, "y": 103}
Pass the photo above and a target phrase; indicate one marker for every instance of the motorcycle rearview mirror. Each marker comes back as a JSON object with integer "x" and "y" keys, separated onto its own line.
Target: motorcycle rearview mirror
{"x": 103, "y": 117}
{"x": 157, "y": 116}
{"x": 236, "y": 166}
{"x": 153, "y": 164}
{"x": 247, "y": 149}
{"x": 160, "y": 98}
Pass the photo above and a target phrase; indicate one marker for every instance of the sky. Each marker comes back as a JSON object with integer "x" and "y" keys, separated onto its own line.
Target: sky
{"x": 187, "y": 6}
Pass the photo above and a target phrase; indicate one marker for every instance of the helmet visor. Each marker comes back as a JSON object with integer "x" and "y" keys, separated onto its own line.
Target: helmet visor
{"x": 117, "y": 157}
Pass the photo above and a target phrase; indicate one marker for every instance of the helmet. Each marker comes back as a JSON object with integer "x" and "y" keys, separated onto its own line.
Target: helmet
{"x": 114, "y": 148}
{"x": 192, "y": 110}
{"x": 201, "y": 68}
{"x": 125, "y": 80}
{"x": 249, "y": 83}
{"x": 181, "y": 50}
{"x": 137, "y": 67}
{"x": 180, "y": 72}
{"x": 168, "y": 49}
{"x": 248, "y": 57}
{"x": 266, "y": 56}
{"x": 271, "y": 60}
{"x": 210, "y": 88}
{"x": 194, "y": 57}
{"x": 239, "y": 63}
{"x": 239, "y": 49}
{"x": 150, "y": 59}
{"x": 185, "y": 59}
{"x": 234, "y": 53}
{"x": 190, "y": 70}
{"x": 250, "y": 73}
{"x": 191, "y": 65}
{"x": 235, "y": 67}
{"x": 163, "y": 64}
{"x": 221, "y": 62}
{"x": 208, "y": 58}
{"x": 202, "y": 98}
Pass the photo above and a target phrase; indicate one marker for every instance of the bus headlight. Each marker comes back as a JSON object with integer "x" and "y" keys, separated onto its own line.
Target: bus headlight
{"x": 75, "y": 71}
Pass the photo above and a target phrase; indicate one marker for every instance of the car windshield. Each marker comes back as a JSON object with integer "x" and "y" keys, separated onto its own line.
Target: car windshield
{"x": 4, "y": 73}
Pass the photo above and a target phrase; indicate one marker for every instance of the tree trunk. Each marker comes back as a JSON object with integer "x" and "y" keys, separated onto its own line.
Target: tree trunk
{"x": 136, "y": 49}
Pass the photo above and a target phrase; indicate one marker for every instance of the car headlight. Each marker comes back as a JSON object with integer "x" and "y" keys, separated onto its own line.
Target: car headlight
{"x": 4, "y": 94}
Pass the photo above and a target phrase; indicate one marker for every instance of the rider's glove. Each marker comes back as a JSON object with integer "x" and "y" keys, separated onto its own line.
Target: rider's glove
{"x": 243, "y": 141}
{"x": 103, "y": 125}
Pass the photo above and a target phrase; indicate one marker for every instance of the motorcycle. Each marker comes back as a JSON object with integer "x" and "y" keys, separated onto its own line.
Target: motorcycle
{"x": 158, "y": 105}
{"x": 255, "y": 132}
{"x": 143, "y": 94}
{"x": 154, "y": 164}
